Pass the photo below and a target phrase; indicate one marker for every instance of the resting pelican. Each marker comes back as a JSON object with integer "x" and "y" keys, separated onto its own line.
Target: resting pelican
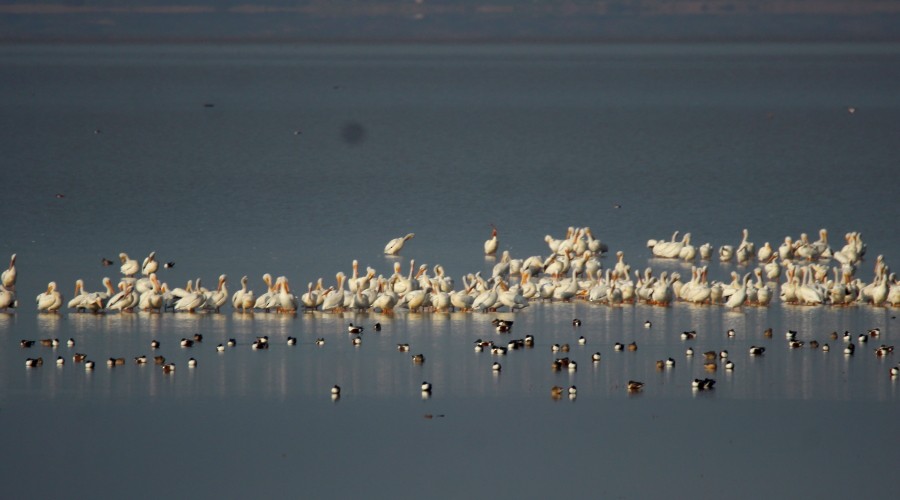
{"x": 125, "y": 301}
{"x": 152, "y": 299}
{"x": 7, "y": 298}
{"x": 395, "y": 245}
{"x": 264, "y": 301}
{"x": 386, "y": 299}
{"x": 243, "y": 299}
{"x": 334, "y": 300}
{"x": 192, "y": 300}
{"x": 129, "y": 266}
{"x": 765, "y": 252}
{"x": 8, "y": 278}
{"x": 78, "y": 296}
{"x": 51, "y": 300}
{"x": 310, "y": 299}
{"x": 150, "y": 265}
{"x": 490, "y": 246}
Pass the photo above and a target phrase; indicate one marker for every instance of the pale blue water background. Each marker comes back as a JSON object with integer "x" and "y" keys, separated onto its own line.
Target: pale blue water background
{"x": 702, "y": 138}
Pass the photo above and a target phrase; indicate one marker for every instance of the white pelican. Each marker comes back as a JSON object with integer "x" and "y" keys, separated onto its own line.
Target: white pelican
{"x": 726, "y": 252}
{"x": 463, "y": 299}
{"x": 51, "y": 300}
{"x": 765, "y": 252}
{"x": 705, "y": 251}
{"x": 512, "y": 298}
{"x": 78, "y": 296}
{"x": 334, "y": 300}
{"x": 394, "y": 246}
{"x": 265, "y": 301}
{"x": 7, "y": 298}
{"x": 415, "y": 299}
{"x": 746, "y": 249}
{"x": 129, "y": 266}
{"x": 487, "y": 300}
{"x": 8, "y": 278}
{"x": 594, "y": 245}
{"x": 736, "y": 300}
{"x": 786, "y": 250}
{"x": 287, "y": 302}
{"x": 150, "y": 265}
{"x": 440, "y": 300}
{"x": 310, "y": 299}
{"x": 125, "y": 301}
{"x": 501, "y": 269}
{"x": 490, "y": 246}
{"x": 152, "y": 300}
{"x": 192, "y": 301}
{"x": 386, "y": 299}
{"x": 243, "y": 299}
{"x": 219, "y": 297}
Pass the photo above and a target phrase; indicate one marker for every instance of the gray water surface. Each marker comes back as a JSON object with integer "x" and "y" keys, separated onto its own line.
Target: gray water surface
{"x": 295, "y": 160}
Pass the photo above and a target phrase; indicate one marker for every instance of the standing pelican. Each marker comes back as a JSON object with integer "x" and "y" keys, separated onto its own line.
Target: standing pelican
{"x": 243, "y": 299}
{"x": 51, "y": 300}
{"x": 219, "y": 297}
{"x": 490, "y": 246}
{"x": 8, "y": 278}
{"x": 395, "y": 245}
{"x": 287, "y": 302}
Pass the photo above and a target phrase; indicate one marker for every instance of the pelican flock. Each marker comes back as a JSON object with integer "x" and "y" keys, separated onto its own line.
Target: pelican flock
{"x": 800, "y": 272}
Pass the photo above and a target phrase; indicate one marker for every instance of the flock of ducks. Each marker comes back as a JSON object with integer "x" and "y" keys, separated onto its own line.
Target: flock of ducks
{"x": 814, "y": 274}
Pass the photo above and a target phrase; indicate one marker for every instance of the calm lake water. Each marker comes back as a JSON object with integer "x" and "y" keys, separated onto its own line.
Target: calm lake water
{"x": 295, "y": 160}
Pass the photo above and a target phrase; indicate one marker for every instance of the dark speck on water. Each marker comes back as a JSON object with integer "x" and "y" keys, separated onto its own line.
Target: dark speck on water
{"x": 353, "y": 133}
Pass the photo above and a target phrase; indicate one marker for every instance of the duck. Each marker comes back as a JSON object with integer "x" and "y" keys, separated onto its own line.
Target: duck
{"x": 336, "y": 390}
{"x": 394, "y": 246}
{"x": 426, "y": 386}
{"x": 8, "y": 277}
{"x": 634, "y": 386}
{"x": 496, "y": 367}
{"x": 51, "y": 300}
{"x": 703, "y": 384}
